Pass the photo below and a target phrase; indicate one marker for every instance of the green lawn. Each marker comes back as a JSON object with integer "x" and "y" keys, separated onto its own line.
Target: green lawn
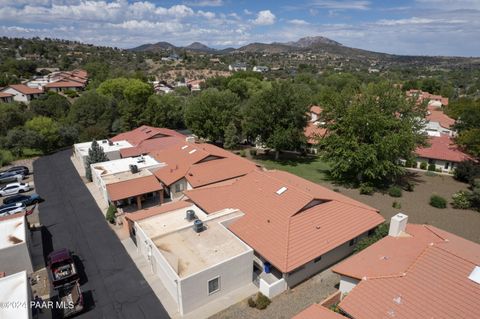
{"x": 311, "y": 168}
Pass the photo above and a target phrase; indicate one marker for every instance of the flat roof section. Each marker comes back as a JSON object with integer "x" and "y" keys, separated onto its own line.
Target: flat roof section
{"x": 12, "y": 232}
{"x": 189, "y": 252}
{"x": 116, "y": 146}
{"x": 123, "y": 165}
{"x": 14, "y": 289}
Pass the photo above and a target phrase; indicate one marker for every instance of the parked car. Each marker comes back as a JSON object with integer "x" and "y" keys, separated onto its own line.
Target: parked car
{"x": 14, "y": 188}
{"x": 9, "y": 177}
{"x": 61, "y": 268}
{"x": 18, "y": 169}
{"x": 26, "y": 199}
{"x": 10, "y": 209}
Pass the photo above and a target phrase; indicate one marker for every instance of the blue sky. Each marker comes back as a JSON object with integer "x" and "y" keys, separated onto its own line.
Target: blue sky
{"x": 420, "y": 27}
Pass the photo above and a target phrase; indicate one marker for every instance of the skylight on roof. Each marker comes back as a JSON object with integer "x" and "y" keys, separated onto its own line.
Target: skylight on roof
{"x": 192, "y": 151}
{"x": 281, "y": 190}
{"x": 475, "y": 275}
{"x": 184, "y": 147}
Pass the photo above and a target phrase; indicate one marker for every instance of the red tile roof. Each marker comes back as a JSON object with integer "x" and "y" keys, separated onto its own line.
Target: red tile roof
{"x": 133, "y": 187}
{"x": 442, "y": 148}
{"x": 144, "y": 132}
{"x": 152, "y": 145}
{"x": 421, "y": 276}
{"x": 156, "y": 210}
{"x": 22, "y": 88}
{"x": 64, "y": 84}
{"x": 316, "y": 109}
{"x": 313, "y": 132}
{"x": 316, "y": 311}
{"x": 436, "y": 115}
{"x": 3, "y": 94}
{"x": 292, "y": 228}
{"x": 201, "y": 164}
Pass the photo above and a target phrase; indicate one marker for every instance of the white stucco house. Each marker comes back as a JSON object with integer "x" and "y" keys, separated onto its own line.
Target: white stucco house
{"x": 15, "y": 292}
{"x": 15, "y": 245}
{"x": 22, "y": 93}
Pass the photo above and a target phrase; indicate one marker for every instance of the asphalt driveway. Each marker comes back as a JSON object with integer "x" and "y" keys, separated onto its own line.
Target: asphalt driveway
{"x": 113, "y": 286}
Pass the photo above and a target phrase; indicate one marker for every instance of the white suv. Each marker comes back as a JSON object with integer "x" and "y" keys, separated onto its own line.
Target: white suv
{"x": 14, "y": 188}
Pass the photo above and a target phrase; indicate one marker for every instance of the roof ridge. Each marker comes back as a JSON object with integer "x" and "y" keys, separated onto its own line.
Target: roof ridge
{"x": 288, "y": 243}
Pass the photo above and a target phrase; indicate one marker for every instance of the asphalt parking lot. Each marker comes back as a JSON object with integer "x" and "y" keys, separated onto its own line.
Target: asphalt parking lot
{"x": 112, "y": 285}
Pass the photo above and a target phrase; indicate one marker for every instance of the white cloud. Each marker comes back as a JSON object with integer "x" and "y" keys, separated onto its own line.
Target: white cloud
{"x": 247, "y": 12}
{"x": 264, "y": 17}
{"x": 205, "y": 3}
{"x": 342, "y": 5}
{"x": 298, "y": 22}
{"x": 450, "y": 4}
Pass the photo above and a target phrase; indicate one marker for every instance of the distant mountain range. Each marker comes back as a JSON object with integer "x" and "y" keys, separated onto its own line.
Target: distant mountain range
{"x": 275, "y": 47}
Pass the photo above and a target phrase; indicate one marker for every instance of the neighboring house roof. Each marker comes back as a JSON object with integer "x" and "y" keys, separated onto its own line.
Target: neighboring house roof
{"x": 4, "y": 94}
{"x": 144, "y": 132}
{"x": 156, "y": 210}
{"x": 436, "y": 115}
{"x": 316, "y": 109}
{"x": 22, "y": 88}
{"x": 201, "y": 164}
{"x": 133, "y": 187}
{"x": 316, "y": 311}
{"x": 288, "y": 220}
{"x": 313, "y": 131}
{"x": 442, "y": 148}
{"x": 64, "y": 84}
{"x": 434, "y": 283}
{"x": 152, "y": 145}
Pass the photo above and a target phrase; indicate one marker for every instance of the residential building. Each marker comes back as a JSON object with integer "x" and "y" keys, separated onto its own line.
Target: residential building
{"x": 64, "y": 85}
{"x": 260, "y": 69}
{"x": 110, "y": 148}
{"x": 238, "y": 66}
{"x": 297, "y": 228}
{"x": 442, "y": 152}
{"x": 15, "y": 245}
{"x": 315, "y": 128}
{"x": 15, "y": 296}
{"x": 22, "y": 93}
{"x": 438, "y": 122}
{"x": 128, "y": 180}
{"x": 422, "y": 96}
{"x": 417, "y": 271}
{"x": 6, "y": 97}
{"x": 195, "y": 85}
{"x": 193, "y": 165}
{"x": 60, "y": 81}
{"x": 317, "y": 311}
{"x": 196, "y": 257}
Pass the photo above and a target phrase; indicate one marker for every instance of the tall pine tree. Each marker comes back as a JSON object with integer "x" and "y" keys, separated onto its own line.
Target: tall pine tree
{"x": 95, "y": 155}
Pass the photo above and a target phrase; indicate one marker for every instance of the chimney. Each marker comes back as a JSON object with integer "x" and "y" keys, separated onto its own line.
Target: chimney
{"x": 398, "y": 225}
{"x": 190, "y": 139}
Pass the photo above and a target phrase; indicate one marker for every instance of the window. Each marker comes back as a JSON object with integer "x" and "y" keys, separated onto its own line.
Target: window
{"x": 178, "y": 187}
{"x": 213, "y": 285}
{"x": 447, "y": 164}
{"x": 316, "y": 260}
{"x": 353, "y": 242}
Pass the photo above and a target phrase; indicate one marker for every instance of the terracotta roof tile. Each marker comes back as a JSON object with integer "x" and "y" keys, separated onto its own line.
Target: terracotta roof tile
{"x": 144, "y": 132}
{"x": 312, "y": 132}
{"x": 442, "y": 148}
{"x": 152, "y": 145}
{"x": 291, "y": 228}
{"x": 133, "y": 187}
{"x": 316, "y": 311}
{"x": 64, "y": 84}
{"x": 316, "y": 109}
{"x": 436, "y": 115}
{"x": 22, "y": 88}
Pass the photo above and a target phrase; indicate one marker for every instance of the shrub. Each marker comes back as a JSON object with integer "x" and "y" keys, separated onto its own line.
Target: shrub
{"x": 438, "y": 201}
{"x": 409, "y": 186}
{"x": 262, "y": 301}
{"x": 414, "y": 164}
{"x": 461, "y": 200}
{"x": 6, "y": 157}
{"x": 396, "y": 205}
{"x": 466, "y": 171}
{"x": 423, "y": 165}
{"x": 395, "y": 191}
{"x": 110, "y": 216}
{"x": 242, "y": 153}
{"x": 366, "y": 189}
{"x": 253, "y": 152}
{"x": 380, "y": 232}
{"x": 431, "y": 167}
{"x": 251, "y": 302}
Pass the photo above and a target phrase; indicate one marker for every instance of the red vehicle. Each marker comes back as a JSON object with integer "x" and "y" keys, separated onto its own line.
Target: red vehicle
{"x": 65, "y": 281}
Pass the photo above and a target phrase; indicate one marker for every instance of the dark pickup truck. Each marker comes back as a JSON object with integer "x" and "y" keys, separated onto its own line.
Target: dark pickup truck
{"x": 65, "y": 281}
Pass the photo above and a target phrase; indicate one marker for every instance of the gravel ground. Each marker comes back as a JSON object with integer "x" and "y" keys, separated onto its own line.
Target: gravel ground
{"x": 290, "y": 302}
{"x": 464, "y": 223}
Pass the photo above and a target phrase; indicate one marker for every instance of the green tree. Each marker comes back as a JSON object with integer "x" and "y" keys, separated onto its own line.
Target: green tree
{"x": 277, "y": 116}
{"x": 209, "y": 113}
{"x": 92, "y": 109}
{"x": 47, "y": 130}
{"x": 95, "y": 155}
{"x": 19, "y": 138}
{"x": 231, "y": 136}
{"x": 369, "y": 132}
{"x": 12, "y": 115}
{"x": 52, "y": 105}
{"x": 165, "y": 111}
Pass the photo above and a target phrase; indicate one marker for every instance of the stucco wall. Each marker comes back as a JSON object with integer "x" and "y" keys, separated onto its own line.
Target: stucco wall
{"x": 328, "y": 259}
{"x": 347, "y": 284}
{"x": 16, "y": 258}
{"x": 176, "y": 195}
{"x": 439, "y": 164}
{"x": 234, "y": 274}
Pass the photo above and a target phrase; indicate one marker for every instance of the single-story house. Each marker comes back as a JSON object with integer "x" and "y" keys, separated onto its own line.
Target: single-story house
{"x": 143, "y": 133}
{"x": 238, "y": 66}
{"x": 192, "y": 165}
{"x": 438, "y": 122}
{"x": 6, "y": 97}
{"x": 64, "y": 85}
{"x": 22, "y": 93}
{"x": 260, "y": 68}
{"x": 110, "y": 148}
{"x": 297, "y": 228}
{"x": 442, "y": 152}
{"x": 195, "y": 85}
{"x": 15, "y": 245}
{"x": 417, "y": 271}
{"x": 422, "y": 96}
{"x": 196, "y": 257}
{"x": 315, "y": 128}
{"x": 15, "y": 296}
{"x": 128, "y": 179}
